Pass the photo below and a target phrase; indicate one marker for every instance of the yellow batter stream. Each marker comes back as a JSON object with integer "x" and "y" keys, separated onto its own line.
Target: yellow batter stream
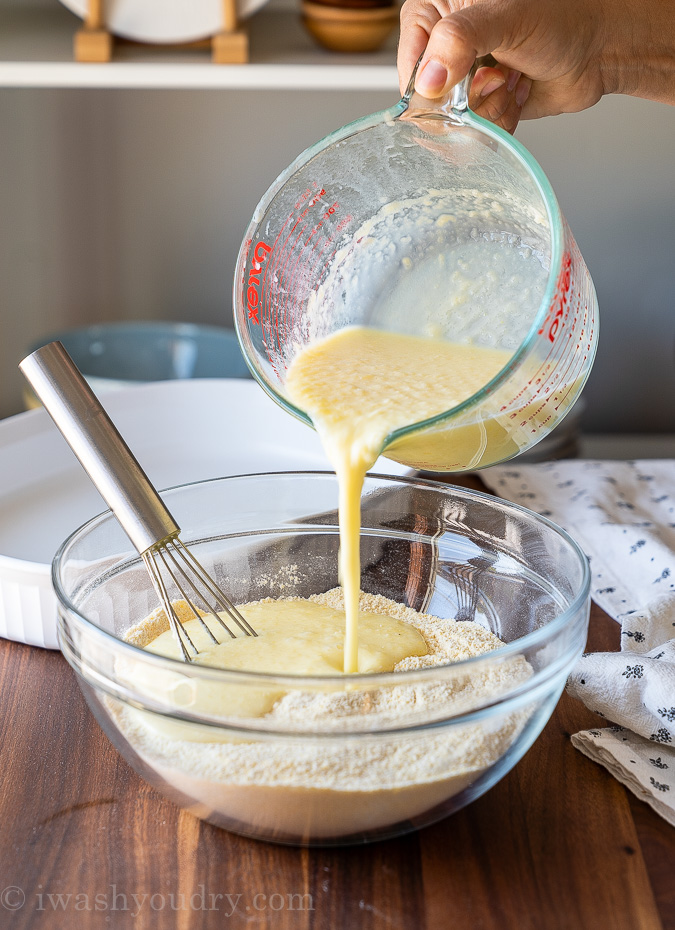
{"x": 359, "y": 385}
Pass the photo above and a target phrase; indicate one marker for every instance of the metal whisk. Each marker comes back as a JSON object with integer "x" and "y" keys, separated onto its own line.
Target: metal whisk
{"x": 127, "y": 490}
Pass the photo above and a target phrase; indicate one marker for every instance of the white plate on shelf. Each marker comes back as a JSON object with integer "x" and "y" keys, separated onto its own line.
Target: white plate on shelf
{"x": 45, "y": 494}
{"x": 165, "y": 22}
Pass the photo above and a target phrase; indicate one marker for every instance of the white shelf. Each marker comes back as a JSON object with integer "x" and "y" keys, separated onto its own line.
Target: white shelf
{"x": 36, "y": 50}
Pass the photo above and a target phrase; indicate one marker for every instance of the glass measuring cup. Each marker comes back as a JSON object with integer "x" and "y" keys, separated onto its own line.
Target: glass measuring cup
{"x": 428, "y": 220}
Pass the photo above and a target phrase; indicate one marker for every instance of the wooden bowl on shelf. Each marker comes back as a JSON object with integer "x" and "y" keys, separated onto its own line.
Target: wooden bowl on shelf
{"x": 349, "y": 28}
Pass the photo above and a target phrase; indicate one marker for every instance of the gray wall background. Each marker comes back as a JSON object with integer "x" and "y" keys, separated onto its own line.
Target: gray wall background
{"x": 119, "y": 204}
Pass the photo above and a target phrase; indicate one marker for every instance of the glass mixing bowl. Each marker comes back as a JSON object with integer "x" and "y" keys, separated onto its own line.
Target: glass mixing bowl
{"x": 351, "y": 758}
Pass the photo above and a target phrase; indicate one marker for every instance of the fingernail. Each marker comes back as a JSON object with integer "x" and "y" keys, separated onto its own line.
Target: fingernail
{"x": 432, "y": 77}
{"x": 493, "y": 84}
{"x": 512, "y": 80}
{"x": 523, "y": 91}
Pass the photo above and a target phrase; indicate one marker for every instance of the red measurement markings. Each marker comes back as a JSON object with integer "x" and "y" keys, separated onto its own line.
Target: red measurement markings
{"x": 549, "y": 387}
{"x": 271, "y": 291}
{"x": 534, "y": 415}
{"x": 328, "y": 261}
{"x": 552, "y": 323}
{"x": 242, "y": 280}
{"x": 307, "y": 193}
{"x": 568, "y": 364}
{"x": 316, "y": 271}
{"x": 289, "y": 283}
{"x": 574, "y": 364}
{"x": 266, "y": 323}
{"x": 568, "y": 356}
{"x": 313, "y": 233}
{"x": 291, "y": 278}
{"x": 327, "y": 214}
{"x": 328, "y": 237}
{"x": 295, "y": 265}
{"x": 342, "y": 225}
{"x": 322, "y": 242}
{"x": 582, "y": 358}
{"x": 260, "y": 253}
{"x": 540, "y": 377}
{"x": 316, "y": 199}
{"x": 577, "y": 356}
{"x": 316, "y": 194}
{"x": 561, "y": 364}
{"x": 311, "y": 256}
{"x": 279, "y": 275}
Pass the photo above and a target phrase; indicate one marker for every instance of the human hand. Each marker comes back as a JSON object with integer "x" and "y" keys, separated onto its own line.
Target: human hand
{"x": 551, "y": 56}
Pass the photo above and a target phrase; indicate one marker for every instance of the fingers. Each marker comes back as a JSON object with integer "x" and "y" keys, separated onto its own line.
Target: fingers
{"x": 451, "y": 43}
{"x": 499, "y": 94}
{"x": 453, "y": 40}
{"x": 485, "y": 82}
{"x": 523, "y": 88}
{"x": 556, "y": 45}
{"x": 416, "y": 26}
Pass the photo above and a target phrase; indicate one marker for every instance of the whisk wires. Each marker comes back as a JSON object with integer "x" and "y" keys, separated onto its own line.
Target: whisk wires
{"x": 171, "y": 558}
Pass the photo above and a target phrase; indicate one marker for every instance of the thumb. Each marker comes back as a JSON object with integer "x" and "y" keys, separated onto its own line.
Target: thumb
{"x": 456, "y": 40}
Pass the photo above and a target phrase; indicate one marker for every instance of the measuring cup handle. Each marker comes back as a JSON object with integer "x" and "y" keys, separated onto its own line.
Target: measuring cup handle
{"x": 452, "y": 105}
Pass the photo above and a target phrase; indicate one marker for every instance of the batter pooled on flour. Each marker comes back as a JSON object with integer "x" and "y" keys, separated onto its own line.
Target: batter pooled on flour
{"x": 328, "y": 787}
{"x": 295, "y": 637}
{"x": 305, "y": 636}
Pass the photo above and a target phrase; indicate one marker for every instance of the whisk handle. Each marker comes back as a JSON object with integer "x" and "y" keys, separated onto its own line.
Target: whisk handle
{"x": 102, "y": 452}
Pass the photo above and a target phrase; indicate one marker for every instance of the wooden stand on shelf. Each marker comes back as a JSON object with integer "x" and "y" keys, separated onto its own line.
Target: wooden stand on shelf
{"x": 94, "y": 43}
{"x": 230, "y": 45}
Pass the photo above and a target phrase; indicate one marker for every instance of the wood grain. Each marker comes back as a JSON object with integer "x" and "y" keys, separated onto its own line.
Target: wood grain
{"x": 558, "y": 844}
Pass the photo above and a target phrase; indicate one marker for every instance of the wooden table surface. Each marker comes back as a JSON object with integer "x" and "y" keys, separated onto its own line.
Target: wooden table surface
{"x": 85, "y": 843}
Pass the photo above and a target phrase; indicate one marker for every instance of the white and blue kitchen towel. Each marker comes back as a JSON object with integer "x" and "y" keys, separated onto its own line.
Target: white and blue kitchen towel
{"x": 622, "y": 514}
